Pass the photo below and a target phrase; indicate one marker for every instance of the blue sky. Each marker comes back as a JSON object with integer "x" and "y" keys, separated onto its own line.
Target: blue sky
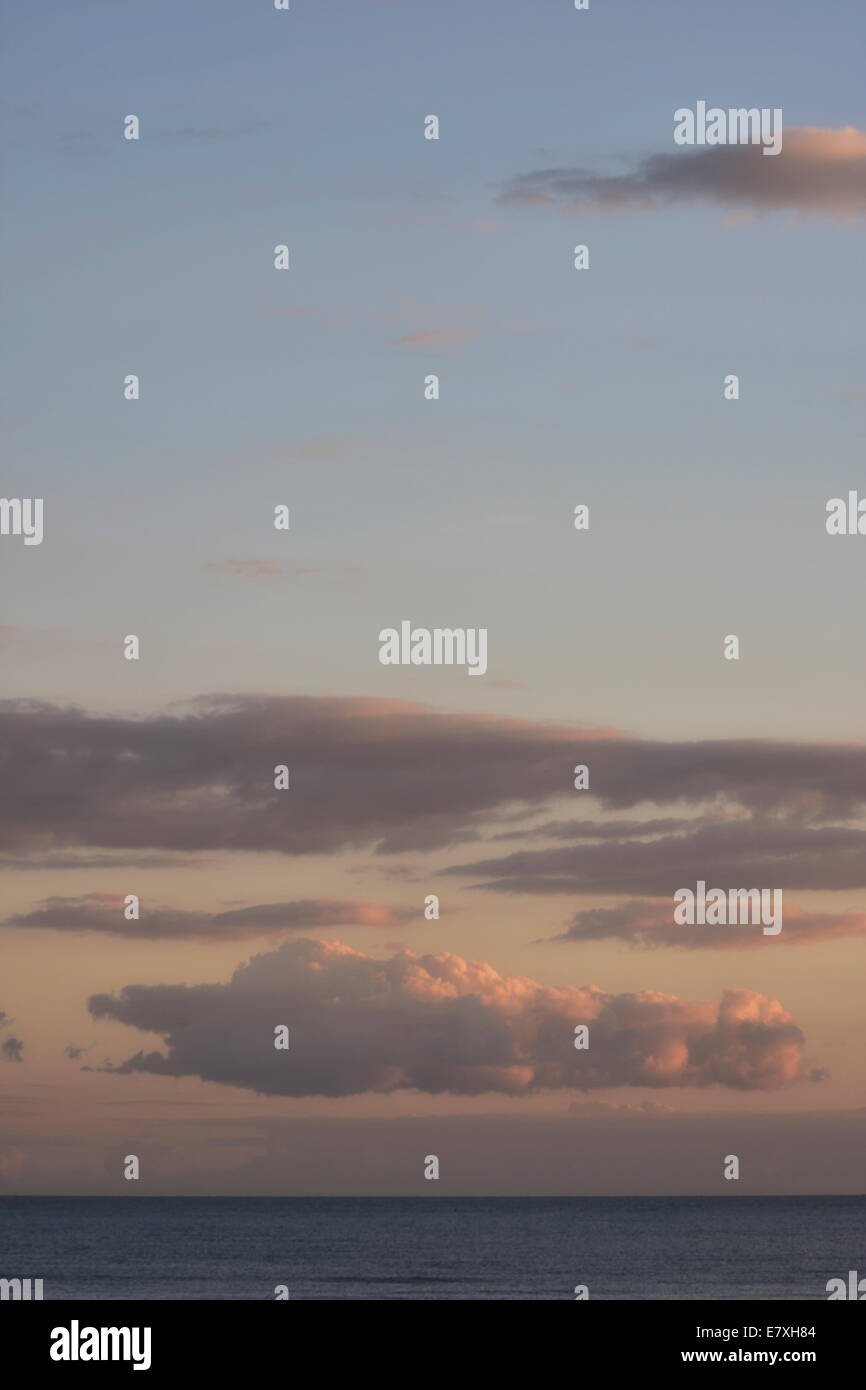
{"x": 257, "y": 387}
{"x": 305, "y": 388}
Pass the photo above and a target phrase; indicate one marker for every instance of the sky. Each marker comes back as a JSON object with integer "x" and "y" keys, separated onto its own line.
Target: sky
{"x": 260, "y": 647}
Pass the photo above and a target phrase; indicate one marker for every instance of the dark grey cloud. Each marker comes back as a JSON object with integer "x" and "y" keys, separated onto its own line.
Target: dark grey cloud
{"x": 126, "y": 859}
{"x": 727, "y": 854}
{"x": 648, "y": 924}
{"x": 11, "y": 1047}
{"x": 595, "y": 830}
{"x": 364, "y": 772}
{"x": 103, "y": 912}
{"x": 817, "y": 171}
{"x": 443, "y": 1024}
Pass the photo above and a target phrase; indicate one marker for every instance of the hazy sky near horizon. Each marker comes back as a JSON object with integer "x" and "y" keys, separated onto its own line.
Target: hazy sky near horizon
{"x": 306, "y": 387}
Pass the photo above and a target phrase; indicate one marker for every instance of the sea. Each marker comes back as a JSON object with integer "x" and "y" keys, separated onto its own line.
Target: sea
{"x": 432, "y": 1247}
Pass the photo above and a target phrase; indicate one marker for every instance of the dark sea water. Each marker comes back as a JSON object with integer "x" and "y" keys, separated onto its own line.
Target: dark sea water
{"x": 432, "y": 1248}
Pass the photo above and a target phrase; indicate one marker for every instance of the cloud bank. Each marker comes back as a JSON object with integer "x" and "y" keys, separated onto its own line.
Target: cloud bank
{"x": 393, "y": 775}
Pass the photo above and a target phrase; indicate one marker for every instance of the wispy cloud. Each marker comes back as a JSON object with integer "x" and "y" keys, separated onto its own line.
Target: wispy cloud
{"x": 818, "y": 171}
{"x": 744, "y": 852}
{"x": 103, "y": 912}
{"x": 647, "y": 925}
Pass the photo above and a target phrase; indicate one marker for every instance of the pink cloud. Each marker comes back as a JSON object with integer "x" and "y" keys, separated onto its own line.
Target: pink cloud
{"x": 439, "y": 1023}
